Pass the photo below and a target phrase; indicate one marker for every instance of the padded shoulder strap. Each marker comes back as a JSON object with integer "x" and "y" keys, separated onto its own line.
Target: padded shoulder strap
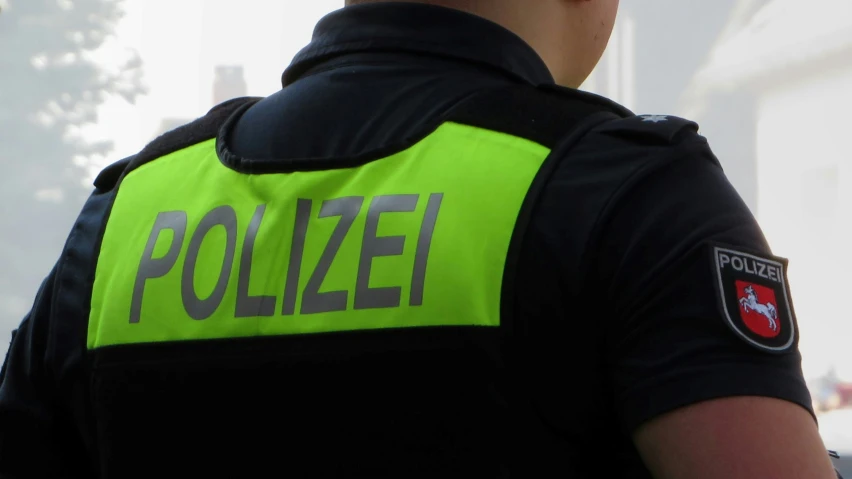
{"x": 202, "y": 129}
{"x": 545, "y": 115}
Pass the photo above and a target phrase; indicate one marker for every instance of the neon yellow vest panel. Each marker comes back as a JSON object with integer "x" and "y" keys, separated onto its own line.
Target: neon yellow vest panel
{"x": 196, "y": 251}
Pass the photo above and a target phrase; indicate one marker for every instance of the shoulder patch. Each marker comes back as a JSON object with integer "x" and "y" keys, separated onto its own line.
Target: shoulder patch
{"x": 663, "y": 128}
{"x": 754, "y": 298}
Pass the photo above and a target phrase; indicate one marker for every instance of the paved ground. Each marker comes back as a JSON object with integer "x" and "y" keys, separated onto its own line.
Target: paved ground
{"x": 844, "y": 465}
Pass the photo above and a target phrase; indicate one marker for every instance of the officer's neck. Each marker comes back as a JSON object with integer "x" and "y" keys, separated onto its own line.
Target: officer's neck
{"x": 555, "y": 31}
{"x": 545, "y": 26}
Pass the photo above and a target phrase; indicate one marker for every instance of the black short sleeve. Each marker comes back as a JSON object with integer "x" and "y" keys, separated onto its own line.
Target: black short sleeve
{"x": 45, "y": 425}
{"x": 30, "y": 427}
{"x": 668, "y": 342}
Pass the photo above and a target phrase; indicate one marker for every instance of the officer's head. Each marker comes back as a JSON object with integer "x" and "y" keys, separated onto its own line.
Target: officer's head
{"x": 570, "y": 35}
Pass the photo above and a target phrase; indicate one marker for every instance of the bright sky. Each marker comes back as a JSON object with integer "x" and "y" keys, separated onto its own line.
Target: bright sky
{"x": 181, "y": 42}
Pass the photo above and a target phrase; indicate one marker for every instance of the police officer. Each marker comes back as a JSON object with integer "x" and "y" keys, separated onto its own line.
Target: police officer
{"x": 420, "y": 258}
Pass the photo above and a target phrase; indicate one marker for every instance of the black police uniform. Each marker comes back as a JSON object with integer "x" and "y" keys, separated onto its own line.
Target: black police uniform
{"x": 615, "y": 292}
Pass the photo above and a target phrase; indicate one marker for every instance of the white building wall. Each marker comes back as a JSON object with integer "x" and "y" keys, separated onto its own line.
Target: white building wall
{"x": 805, "y": 206}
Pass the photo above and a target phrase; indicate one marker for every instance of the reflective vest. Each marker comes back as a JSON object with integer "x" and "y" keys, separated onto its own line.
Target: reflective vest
{"x": 194, "y": 250}
{"x": 424, "y": 240}
{"x": 419, "y": 238}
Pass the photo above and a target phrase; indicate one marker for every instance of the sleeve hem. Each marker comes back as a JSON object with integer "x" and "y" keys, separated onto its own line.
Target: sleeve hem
{"x": 646, "y": 402}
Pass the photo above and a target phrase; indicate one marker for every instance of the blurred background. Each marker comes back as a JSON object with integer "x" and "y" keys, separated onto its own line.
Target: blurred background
{"x": 84, "y": 83}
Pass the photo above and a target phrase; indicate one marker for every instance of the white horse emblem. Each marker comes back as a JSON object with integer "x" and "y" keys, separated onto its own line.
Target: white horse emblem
{"x": 768, "y": 310}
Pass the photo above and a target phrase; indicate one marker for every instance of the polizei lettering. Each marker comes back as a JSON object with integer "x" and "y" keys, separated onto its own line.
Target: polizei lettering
{"x": 174, "y": 224}
{"x": 747, "y": 264}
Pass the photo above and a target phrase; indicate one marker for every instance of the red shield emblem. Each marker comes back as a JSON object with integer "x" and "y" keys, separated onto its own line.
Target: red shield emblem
{"x": 758, "y": 309}
{"x": 754, "y": 298}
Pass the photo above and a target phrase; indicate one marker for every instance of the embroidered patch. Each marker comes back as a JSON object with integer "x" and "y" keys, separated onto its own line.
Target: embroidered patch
{"x": 755, "y": 299}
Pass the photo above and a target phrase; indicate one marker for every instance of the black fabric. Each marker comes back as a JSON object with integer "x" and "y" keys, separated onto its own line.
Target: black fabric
{"x": 322, "y": 155}
{"x": 365, "y": 404}
{"x": 609, "y": 292}
{"x": 46, "y": 425}
{"x": 445, "y": 370}
{"x": 528, "y": 113}
{"x": 518, "y": 110}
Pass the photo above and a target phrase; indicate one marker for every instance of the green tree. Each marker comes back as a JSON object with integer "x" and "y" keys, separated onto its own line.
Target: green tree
{"x": 50, "y": 86}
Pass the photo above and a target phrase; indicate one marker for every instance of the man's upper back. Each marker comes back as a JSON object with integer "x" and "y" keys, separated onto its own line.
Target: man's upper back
{"x": 607, "y": 293}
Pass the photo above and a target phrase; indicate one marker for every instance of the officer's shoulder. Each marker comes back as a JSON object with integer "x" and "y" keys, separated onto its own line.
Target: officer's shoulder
{"x": 624, "y": 124}
{"x": 651, "y": 129}
{"x": 202, "y": 129}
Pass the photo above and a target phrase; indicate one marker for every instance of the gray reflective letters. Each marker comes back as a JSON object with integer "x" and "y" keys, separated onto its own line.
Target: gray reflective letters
{"x": 197, "y": 308}
{"x": 251, "y": 306}
{"x": 751, "y": 265}
{"x": 374, "y": 246}
{"x": 737, "y": 263}
{"x": 297, "y": 250}
{"x": 424, "y": 245}
{"x": 312, "y": 300}
{"x": 150, "y": 267}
